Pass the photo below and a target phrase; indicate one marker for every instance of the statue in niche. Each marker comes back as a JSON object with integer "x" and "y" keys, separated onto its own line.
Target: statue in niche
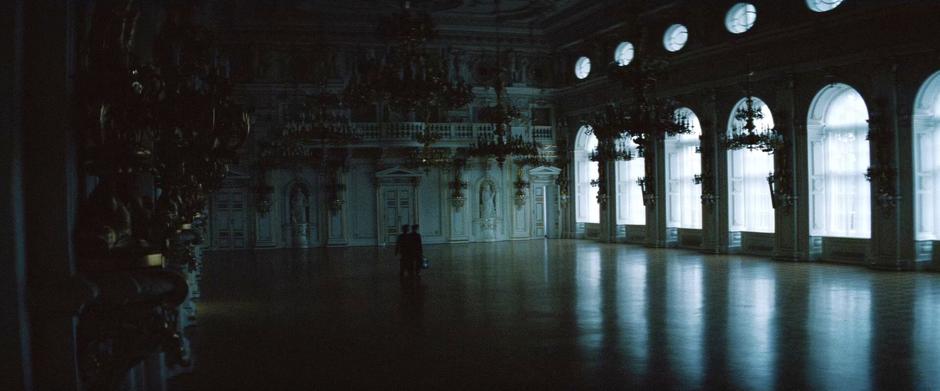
{"x": 487, "y": 200}
{"x": 298, "y": 205}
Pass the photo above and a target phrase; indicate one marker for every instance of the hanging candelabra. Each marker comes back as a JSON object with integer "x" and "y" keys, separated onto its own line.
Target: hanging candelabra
{"x": 650, "y": 118}
{"x": 745, "y": 132}
{"x": 521, "y": 186}
{"x": 323, "y": 121}
{"x": 334, "y": 167}
{"x": 647, "y": 120}
{"x": 173, "y": 121}
{"x": 411, "y": 78}
{"x": 170, "y": 127}
{"x": 882, "y": 174}
{"x": 501, "y": 144}
{"x": 306, "y": 139}
{"x": 262, "y": 193}
{"x": 427, "y": 156}
{"x": 610, "y": 128}
{"x": 458, "y": 185}
{"x": 648, "y": 189}
{"x": 562, "y": 162}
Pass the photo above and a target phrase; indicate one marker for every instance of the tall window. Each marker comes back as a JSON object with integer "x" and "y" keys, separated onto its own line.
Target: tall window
{"x": 926, "y": 161}
{"x": 588, "y": 210}
{"x": 630, "y": 208}
{"x": 749, "y": 204}
{"x": 840, "y": 197}
{"x": 683, "y": 163}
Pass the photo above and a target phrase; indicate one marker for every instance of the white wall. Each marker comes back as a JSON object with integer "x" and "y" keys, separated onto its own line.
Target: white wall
{"x": 440, "y": 220}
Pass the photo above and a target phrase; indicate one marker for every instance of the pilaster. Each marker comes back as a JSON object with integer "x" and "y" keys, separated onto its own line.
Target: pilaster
{"x": 457, "y": 206}
{"x": 608, "y": 201}
{"x": 883, "y": 134}
{"x": 336, "y": 222}
{"x": 654, "y": 196}
{"x": 714, "y": 169}
{"x": 786, "y": 206}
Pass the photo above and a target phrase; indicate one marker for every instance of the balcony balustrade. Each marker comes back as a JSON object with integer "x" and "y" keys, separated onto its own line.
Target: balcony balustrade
{"x": 451, "y": 134}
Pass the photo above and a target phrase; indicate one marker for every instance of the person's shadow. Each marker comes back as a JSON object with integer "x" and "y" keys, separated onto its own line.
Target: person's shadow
{"x": 413, "y": 293}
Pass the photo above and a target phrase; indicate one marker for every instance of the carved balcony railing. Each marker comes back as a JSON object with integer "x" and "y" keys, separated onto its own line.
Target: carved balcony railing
{"x": 450, "y": 134}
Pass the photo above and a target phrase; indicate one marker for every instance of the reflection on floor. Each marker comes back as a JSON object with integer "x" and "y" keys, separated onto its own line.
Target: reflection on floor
{"x": 563, "y": 315}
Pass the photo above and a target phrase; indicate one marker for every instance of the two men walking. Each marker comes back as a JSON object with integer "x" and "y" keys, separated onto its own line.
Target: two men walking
{"x": 409, "y": 247}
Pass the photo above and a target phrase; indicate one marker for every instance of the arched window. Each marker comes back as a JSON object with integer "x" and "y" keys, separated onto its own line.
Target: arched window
{"x": 749, "y": 204}
{"x": 630, "y": 208}
{"x": 588, "y": 210}
{"x": 740, "y": 18}
{"x": 840, "y": 203}
{"x": 683, "y": 163}
{"x": 926, "y": 162}
{"x": 823, "y": 5}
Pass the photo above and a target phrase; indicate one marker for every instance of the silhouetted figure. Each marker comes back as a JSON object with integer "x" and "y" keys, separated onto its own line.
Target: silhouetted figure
{"x": 401, "y": 249}
{"x": 415, "y": 249}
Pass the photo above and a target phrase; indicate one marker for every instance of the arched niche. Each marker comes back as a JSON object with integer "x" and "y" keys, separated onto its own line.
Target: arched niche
{"x": 299, "y": 212}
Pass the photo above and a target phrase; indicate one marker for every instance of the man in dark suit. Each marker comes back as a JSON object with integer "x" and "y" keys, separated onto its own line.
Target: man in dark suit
{"x": 401, "y": 249}
{"x": 415, "y": 249}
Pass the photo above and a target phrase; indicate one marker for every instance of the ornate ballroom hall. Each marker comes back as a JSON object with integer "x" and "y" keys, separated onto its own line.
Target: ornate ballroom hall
{"x": 610, "y": 194}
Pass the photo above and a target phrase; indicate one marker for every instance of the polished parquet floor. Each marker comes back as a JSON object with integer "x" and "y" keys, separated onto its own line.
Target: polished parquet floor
{"x": 560, "y": 314}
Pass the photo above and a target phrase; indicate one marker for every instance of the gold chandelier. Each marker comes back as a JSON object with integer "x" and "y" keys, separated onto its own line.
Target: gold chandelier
{"x": 501, "y": 144}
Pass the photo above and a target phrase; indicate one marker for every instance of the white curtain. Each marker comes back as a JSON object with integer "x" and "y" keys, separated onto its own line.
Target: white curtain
{"x": 840, "y": 194}
{"x": 926, "y": 163}
{"x": 630, "y": 208}
{"x": 588, "y": 210}
{"x": 750, "y": 206}
{"x": 683, "y": 163}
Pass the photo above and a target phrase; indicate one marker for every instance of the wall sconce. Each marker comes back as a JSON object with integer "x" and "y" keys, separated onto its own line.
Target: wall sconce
{"x": 520, "y": 196}
{"x": 647, "y": 187}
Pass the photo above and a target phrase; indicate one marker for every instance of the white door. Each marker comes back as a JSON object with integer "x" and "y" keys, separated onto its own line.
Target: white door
{"x": 397, "y": 210}
{"x": 540, "y": 212}
{"x": 228, "y": 219}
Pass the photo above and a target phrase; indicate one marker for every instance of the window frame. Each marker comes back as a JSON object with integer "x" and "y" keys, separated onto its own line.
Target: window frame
{"x": 926, "y": 140}
{"x": 587, "y": 209}
{"x": 734, "y": 15}
{"x": 749, "y": 189}
{"x": 669, "y": 41}
{"x": 683, "y": 163}
{"x": 827, "y": 183}
{"x": 821, "y": 6}
{"x": 581, "y": 63}
{"x": 620, "y": 49}
{"x": 630, "y": 207}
